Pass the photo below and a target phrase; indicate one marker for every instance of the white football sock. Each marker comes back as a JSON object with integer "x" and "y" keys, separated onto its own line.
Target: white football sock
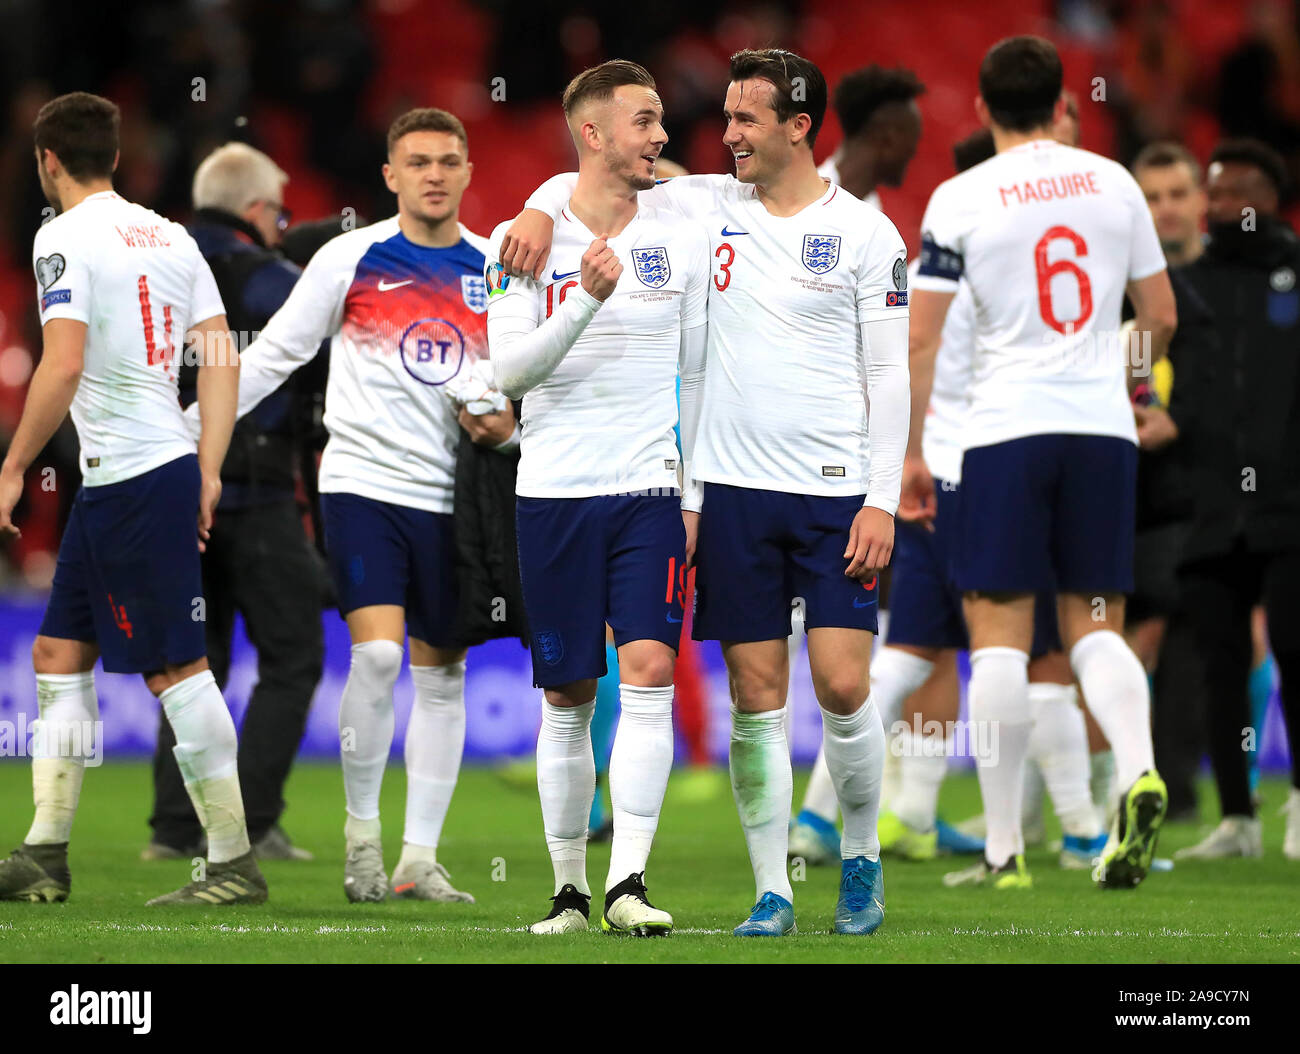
{"x": 1101, "y": 782}
{"x": 923, "y": 765}
{"x": 206, "y": 750}
{"x": 566, "y": 783}
{"x": 794, "y": 648}
{"x": 366, "y": 723}
{"x": 639, "y": 766}
{"x": 63, "y": 738}
{"x": 763, "y": 784}
{"x": 891, "y": 778}
{"x": 855, "y": 754}
{"x": 895, "y": 675}
{"x": 999, "y": 700}
{"x": 1059, "y": 745}
{"x": 355, "y": 830}
{"x": 819, "y": 797}
{"x": 435, "y": 741}
{"x": 1116, "y": 690}
{"x": 1031, "y": 796}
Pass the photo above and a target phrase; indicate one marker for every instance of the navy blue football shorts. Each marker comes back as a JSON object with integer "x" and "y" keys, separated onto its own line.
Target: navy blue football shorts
{"x": 128, "y": 576}
{"x": 759, "y": 550}
{"x": 584, "y": 562}
{"x": 381, "y": 553}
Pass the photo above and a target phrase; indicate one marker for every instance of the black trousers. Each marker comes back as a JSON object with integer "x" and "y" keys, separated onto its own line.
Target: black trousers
{"x": 1219, "y": 595}
{"x": 1178, "y": 713}
{"x": 258, "y": 563}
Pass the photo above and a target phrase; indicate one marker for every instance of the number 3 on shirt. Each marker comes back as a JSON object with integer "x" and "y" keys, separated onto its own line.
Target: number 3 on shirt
{"x": 1046, "y": 272}
{"x": 724, "y": 267}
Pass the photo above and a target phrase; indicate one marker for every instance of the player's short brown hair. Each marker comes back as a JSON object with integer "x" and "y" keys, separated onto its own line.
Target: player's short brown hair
{"x": 1166, "y": 154}
{"x": 800, "y": 86}
{"x": 600, "y": 82}
{"x": 82, "y": 131}
{"x": 1020, "y": 81}
{"x": 426, "y": 119}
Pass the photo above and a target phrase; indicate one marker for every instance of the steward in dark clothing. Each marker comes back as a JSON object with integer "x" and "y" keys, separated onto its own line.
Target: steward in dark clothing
{"x": 1237, "y": 410}
{"x": 1164, "y": 511}
{"x": 258, "y": 561}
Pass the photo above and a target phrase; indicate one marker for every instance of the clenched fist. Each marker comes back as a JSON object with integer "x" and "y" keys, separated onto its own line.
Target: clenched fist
{"x": 600, "y": 269}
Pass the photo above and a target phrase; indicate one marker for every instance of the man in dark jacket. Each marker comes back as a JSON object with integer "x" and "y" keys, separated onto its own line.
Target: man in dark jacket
{"x": 1155, "y": 625}
{"x": 1235, "y": 412}
{"x": 258, "y": 562}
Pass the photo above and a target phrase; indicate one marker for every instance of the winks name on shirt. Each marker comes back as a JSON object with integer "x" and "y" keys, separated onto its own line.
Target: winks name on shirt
{"x": 138, "y": 236}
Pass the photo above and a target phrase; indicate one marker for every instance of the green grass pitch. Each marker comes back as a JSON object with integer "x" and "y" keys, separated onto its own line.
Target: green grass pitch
{"x": 1232, "y": 911}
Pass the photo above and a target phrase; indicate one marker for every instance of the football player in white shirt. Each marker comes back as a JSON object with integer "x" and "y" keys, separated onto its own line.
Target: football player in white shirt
{"x": 596, "y": 344}
{"x": 403, "y": 305}
{"x": 122, "y": 292}
{"x": 1049, "y": 239}
{"x": 807, "y": 316}
{"x": 878, "y": 112}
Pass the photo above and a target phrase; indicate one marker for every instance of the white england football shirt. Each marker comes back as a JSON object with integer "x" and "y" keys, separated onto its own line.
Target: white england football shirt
{"x": 138, "y": 282}
{"x": 1047, "y": 236}
{"x": 602, "y": 422}
{"x": 405, "y": 322}
{"x": 784, "y": 404}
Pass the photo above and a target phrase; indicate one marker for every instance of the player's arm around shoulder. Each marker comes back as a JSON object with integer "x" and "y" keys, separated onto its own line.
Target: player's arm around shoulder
{"x": 526, "y": 241}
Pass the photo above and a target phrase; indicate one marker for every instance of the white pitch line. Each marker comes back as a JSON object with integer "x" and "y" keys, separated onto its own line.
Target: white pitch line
{"x": 327, "y": 930}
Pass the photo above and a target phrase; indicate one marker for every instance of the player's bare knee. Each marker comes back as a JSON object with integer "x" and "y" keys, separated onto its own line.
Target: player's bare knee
{"x": 842, "y": 692}
{"x": 45, "y": 656}
{"x": 55, "y": 655}
{"x": 753, "y": 691}
{"x": 575, "y": 693}
{"x": 648, "y": 668}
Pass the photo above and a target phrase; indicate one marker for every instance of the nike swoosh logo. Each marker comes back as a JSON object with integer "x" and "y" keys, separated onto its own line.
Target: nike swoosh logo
{"x": 862, "y": 604}
{"x": 384, "y": 287}
{"x": 557, "y": 277}
{"x": 731, "y": 234}
{"x": 670, "y": 618}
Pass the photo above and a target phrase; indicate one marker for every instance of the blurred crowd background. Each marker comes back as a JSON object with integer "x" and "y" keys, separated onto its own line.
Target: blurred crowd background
{"x": 315, "y": 83}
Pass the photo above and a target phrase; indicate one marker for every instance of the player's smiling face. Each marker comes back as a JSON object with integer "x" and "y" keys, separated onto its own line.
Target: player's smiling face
{"x": 758, "y": 141}
{"x": 633, "y": 134}
{"x": 428, "y": 171}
